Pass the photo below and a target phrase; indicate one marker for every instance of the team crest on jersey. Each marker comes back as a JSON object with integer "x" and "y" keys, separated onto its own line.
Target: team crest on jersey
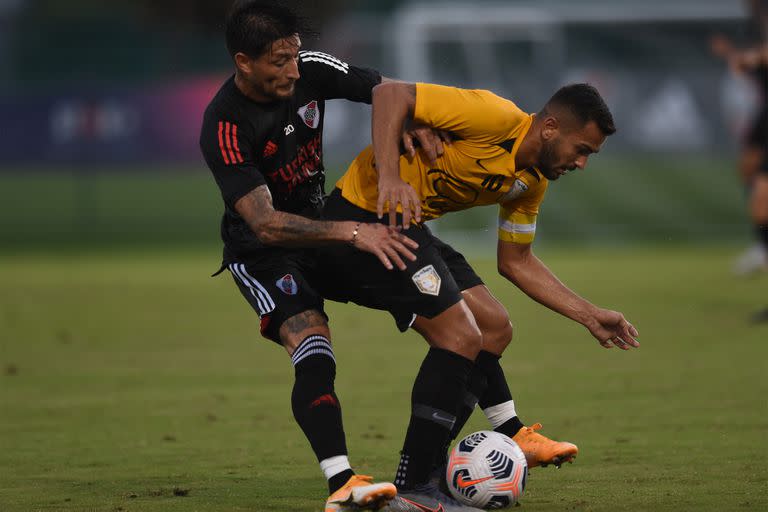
{"x": 427, "y": 280}
{"x": 287, "y": 285}
{"x": 516, "y": 190}
{"x": 310, "y": 114}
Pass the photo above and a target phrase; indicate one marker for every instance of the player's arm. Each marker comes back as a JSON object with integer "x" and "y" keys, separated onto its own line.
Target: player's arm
{"x": 335, "y": 79}
{"x": 393, "y": 105}
{"x": 274, "y": 227}
{"x": 524, "y": 269}
{"x": 430, "y": 140}
{"x": 228, "y": 151}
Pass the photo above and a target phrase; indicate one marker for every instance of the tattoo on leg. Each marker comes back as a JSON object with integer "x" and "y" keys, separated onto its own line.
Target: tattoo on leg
{"x": 305, "y": 320}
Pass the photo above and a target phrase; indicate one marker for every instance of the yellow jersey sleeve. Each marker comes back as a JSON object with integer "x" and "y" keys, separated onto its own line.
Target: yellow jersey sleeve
{"x": 476, "y": 115}
{"x": 517, "y": 218}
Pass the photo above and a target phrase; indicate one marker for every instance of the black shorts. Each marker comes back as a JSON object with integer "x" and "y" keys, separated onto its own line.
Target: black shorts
{"x": 277, "y": 286}
{"x": 427, "y": 287}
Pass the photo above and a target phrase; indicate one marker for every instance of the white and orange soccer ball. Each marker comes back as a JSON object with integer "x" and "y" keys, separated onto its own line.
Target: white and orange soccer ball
{"x": 487, "y": 470}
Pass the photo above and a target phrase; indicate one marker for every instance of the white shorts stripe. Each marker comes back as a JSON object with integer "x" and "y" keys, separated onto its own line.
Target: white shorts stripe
{"x": 265, "y": 295}
{"x": 324, "y": 61}
{"x": 263, "y": 300}
{"x": 234, "y": 268}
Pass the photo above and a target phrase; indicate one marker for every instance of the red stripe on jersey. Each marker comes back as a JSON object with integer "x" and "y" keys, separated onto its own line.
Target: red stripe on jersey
{"x": 229, "y": 143}
{"x": 234, "y": 141}
{"x": 221, "y": 143}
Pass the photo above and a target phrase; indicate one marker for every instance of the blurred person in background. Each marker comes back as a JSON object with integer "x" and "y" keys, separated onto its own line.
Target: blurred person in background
{"x": 753, "y": 63}
{"x": 262, "y": 140}
{"x": 502, "y": 156}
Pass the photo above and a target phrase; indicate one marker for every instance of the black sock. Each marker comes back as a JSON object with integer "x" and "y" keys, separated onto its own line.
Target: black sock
{"x": 475, "y": 389}
{"x": 497, "y": 392}
{"x": 435, "y": 401}
{"x": 762, "y": 234}
{"x": 338, "y": 480}
{"x": 314, "y": 402}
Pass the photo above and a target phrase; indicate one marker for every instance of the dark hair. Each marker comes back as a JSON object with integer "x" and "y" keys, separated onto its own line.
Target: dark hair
{"x": 584, "y": 102}
{"x": 252, "y": 26}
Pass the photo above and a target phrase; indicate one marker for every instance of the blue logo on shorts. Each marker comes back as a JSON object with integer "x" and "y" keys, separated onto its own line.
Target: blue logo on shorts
{"x": 287, "y": 285}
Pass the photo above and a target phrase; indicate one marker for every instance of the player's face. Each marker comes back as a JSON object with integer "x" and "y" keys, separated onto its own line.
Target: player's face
{"x": 569, "y": 150}
{"x": 272, "y": 76}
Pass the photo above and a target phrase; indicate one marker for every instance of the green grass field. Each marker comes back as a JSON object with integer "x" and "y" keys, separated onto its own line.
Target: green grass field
{"x": 133, "y": 382}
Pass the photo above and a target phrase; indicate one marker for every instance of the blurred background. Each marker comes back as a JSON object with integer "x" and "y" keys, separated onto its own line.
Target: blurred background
{"x": 101, "y": 102}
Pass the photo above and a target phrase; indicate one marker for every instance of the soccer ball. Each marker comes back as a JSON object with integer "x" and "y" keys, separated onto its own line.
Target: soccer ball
{"x": 487, "y": 470}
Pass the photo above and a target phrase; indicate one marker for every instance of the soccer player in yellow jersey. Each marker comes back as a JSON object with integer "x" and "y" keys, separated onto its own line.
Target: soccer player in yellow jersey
{"x": 503, "y": 156}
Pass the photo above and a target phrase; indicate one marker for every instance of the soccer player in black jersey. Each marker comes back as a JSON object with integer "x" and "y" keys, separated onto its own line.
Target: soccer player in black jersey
{"x": 262, "y": 140}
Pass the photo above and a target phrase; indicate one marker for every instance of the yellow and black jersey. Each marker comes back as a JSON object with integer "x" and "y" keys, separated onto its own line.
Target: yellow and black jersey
{"x": 477, "y": 170}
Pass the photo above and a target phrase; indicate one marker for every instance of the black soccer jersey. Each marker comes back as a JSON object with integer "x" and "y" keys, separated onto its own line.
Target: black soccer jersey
{"x": 280, "y": 144}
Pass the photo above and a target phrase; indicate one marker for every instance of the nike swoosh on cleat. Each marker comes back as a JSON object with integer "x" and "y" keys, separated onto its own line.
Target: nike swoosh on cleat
{"x": 424, "y": 507}
{"x": 466, "y": 483}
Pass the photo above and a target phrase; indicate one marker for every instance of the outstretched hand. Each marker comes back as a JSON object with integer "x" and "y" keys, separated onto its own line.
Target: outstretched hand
{"x": 386, "y": 243}
{"x": 610, "y": 328}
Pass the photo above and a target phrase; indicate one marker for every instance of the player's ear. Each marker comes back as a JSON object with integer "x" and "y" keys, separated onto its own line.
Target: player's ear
{"x": 551, "y": 127}
{"x": 243, "y": 63}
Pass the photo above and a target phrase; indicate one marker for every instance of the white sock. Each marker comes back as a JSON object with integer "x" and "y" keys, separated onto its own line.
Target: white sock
{"x": 332, "y": 466}
{"x": 501, "y": 413}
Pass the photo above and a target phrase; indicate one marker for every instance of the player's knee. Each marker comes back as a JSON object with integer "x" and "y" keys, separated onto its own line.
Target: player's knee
{"x": 497, "y": 335}
{"x": 298, "y": 327}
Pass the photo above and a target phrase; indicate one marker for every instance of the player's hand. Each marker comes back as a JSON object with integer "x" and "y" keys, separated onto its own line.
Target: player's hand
{"x": 611, "y": 329}
{"x": 430, "y": 140}
{"x": 386, "y": 243}
{"x": 394, "y": 192}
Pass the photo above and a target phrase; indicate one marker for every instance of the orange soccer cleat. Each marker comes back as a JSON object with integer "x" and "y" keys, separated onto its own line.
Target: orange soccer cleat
{"x": 360, "y": 493}
{"x": 542, "y": 451}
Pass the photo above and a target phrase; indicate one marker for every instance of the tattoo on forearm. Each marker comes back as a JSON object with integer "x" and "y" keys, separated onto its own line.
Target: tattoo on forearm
{"x": 278, "y": 227}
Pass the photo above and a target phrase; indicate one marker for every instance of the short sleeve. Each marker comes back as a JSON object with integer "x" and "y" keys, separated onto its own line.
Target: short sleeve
{"x": 335, "y": 79}
{"x": 228, "y": 151}
{"x": 471, "y": 114}
{"x": 517, "y": 218}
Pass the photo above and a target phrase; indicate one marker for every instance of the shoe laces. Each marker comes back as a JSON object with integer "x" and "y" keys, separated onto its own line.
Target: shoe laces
{"x": 363, "y": 478}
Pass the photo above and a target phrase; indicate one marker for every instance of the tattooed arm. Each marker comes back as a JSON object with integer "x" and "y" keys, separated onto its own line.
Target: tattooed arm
{"x": 274, "y": 227}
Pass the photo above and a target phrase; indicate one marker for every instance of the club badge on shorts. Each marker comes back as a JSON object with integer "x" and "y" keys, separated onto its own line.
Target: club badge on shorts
{"x": 310, "y": 114}
{"x": 427, "y": 280}
{"x": 287, "y": 284}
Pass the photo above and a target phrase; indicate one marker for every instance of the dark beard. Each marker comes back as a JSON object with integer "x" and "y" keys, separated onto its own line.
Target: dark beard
{"x": 548, "y": 159}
